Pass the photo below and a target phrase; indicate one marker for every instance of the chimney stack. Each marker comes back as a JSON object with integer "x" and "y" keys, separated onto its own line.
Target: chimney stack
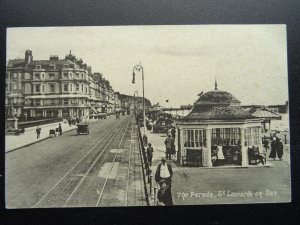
{"x": 28, "y": 57}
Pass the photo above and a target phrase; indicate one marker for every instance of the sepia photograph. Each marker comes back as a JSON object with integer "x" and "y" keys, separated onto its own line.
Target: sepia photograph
{"x": 149, "y": 115}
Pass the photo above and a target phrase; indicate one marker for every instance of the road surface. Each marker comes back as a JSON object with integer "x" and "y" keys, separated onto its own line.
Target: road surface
{"x": 99, "y": 169}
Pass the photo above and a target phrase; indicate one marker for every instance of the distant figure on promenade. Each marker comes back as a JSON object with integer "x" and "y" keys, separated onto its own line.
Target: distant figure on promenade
{"x": 265, "y": 143}
{"x": 279, "y": 147}
{"x": 164, "y": 172}
{"x": 169, "y": 145}
{"x": 59, "y": 129}
{"x": 164, "y": 195}
{"x": 38, "y": 132}
{"x": 69, "y": 121}
{"x": 273, "y": 149}
{"x": 150, "y": 154}
{"x": 173, "y": 132}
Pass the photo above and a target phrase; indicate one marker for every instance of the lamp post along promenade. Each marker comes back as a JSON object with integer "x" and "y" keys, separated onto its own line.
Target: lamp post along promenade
{"x": 139, "y": 68}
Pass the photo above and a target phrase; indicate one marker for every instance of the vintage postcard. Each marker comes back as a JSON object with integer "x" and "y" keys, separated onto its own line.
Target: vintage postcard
{"x": 146, "y": 116}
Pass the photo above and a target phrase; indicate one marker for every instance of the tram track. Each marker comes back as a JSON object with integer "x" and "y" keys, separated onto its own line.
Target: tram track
{"x": 120, "y": 189}
{"x": 112, "y": 165}
{"x": 90, "y": 168}
{"x": 62, "y": 192}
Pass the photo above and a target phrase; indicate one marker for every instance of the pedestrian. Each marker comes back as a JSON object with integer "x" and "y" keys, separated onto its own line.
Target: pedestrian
{"x": 273, "y": 149}
{"x": 59, "y": 129}
{"x": 150, "y": 154}
{"x": 279, "y": 147}
{"x": 164, "y": 172}
{"x": 261, "y": 155}
{"x": 169, "y": 143}
{"x": 173, "y": 132}
{"x": 38, "y": 132}
{"x": 164, "y": 195}
{"x": 265, "y": 144}
{"x": 69, "y": 121}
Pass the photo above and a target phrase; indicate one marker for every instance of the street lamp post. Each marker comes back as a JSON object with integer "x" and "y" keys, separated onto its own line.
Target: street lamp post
{"x": 134, "y": 106}
{"x": 139, "y": 68}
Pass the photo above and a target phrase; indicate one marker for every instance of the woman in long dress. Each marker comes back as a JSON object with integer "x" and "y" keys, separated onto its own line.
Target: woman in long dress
{"x": 273, "y": 149}
{"x": 279, "y": 145}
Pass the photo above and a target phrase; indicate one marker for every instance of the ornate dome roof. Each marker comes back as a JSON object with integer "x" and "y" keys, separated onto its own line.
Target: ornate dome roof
{"x": 217, "y": 97}
{"x": 217, "y": 105}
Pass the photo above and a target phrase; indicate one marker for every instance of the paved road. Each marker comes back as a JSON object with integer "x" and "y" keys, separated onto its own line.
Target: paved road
{"x": 99, "y": 169}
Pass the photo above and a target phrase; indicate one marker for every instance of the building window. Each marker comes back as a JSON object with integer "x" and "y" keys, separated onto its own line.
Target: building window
{"x": 6, "y": 101}
{"x": 43, "y": 76}
{"x": 65, "y": 76}
{"x": 252, "y": 136}
{"x": 86, "y": 90}
{"x": 15, "y": 75}
{"x": 66, "y": 102}
{"x": 52, "y": 88}
{"x": 38, "y": 66}
{"x": 38, "y": 102}
{"x": 52, "y": 66}
{"x": 15, "y": 87}
{"x": 71, "y": 75}
{"x": 77, "y": 87}
{"x": 225, "y": 136}
{"x": 71, "y": 87}
{"x": 81, "y": 87}
{"x": 194, "y": 138}
{"x": 52, "y": 102}
{"x": 7, "y": 75}
{"x": 43, "y": 88}
{"x": 51, "y": 76}
{"x": 82, "y": 76}
{"x": 38, "y": 88}
{"x": 37, "y": 76}
{"x": 15, "y": 101}
{"x": 66, "y": 87}
{"x": 77, "y": 75}
{"x": 74, "y": 101}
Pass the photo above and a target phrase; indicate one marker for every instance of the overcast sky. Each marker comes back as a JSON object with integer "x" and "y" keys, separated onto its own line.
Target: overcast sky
{"x": 249, "y": 61}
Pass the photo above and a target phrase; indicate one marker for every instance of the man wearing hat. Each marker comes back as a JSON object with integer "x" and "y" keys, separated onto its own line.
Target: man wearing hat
{"x": 164, "y": 172}
{"x": 164, "y": 196}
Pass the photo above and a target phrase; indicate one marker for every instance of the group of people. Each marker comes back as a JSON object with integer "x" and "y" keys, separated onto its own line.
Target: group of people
{"x": 276, "y": 148}
{"x": 38, "y": 131}
{"x": 164, "y": 172}
{"x": 73, "y": 120}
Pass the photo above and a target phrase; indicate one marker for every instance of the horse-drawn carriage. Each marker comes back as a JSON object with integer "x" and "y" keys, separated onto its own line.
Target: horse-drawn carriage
{"x": 82, "y": 128}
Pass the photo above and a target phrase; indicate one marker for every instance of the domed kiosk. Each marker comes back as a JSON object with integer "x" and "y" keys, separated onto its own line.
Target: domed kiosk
{"x": 218, "y": 131}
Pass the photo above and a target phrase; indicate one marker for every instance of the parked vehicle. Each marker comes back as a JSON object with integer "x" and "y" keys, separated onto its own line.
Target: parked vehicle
{"x": 82, "y": 128}
{"x": 162, "y": 125}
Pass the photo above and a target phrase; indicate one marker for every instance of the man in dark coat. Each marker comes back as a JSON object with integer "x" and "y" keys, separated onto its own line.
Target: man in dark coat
{"x": 59, "y": 129}
{"x": 169, "y": 144}
{"x": 150, "y": 154}
{"x": 173, "y": 132}
{"x": 164, "y": 196}
{"x": 38, "y": 132}
{"x": 279, "y": 146}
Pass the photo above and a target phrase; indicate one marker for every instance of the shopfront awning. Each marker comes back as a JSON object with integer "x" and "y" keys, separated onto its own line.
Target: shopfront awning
{"x": 94, "y": 111}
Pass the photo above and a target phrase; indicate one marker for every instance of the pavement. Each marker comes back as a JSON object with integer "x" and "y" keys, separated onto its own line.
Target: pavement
{"x": 224, "y": 180}
{"x": 14, "y": 142}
